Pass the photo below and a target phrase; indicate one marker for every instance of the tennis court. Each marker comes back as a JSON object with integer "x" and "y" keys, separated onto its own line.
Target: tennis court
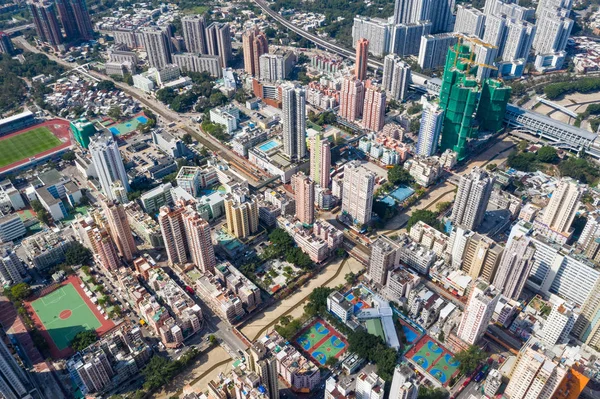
{"x": 321, "y": 341}
{"x": 310, "y": 338}
{"x": 63, "y": 314}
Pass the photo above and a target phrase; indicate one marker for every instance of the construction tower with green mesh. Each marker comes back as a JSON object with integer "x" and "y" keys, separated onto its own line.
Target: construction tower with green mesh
{"x": 82, "y": 131}
{"x": 469, "y": 106}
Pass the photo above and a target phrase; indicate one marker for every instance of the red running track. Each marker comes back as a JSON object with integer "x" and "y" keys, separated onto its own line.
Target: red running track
{"x": 59, "y": 127}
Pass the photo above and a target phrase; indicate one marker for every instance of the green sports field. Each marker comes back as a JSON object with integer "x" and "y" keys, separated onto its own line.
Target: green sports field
{"x": 26, "y": 145}
{"x": 64, "y": 313}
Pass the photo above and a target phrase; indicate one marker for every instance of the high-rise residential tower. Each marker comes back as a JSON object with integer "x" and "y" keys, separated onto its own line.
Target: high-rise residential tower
{"x": 67, "y": 18}
{"x": 474, "y": 190}
{"x": 294, "y": 121}
{"x": 119, "y": 229}
{"x": 13, "y": 381}
{"x": 396, "y": 76}
{"x": 357, "y": 196}
{"x": 194, "y": 34}
{"x": 46, "y": 23}
{"x": 11, "y": 267}
{"x": 82, "y": 19}
{"x": 469, "y": 20}
{"x": 516, "y": 262}
{"x": 255, "y": 44}
{"x": 173, "y": 232}
{"x": 478, "y": 312}
{"x": 241, "y": 212}
{"x": 304, "y": 194}
{"x": 374, "y": 108}
{"x": 199, "y": 241}
{"x": 157, "y": 44}
{"x": 431, "y": 126}
{"x": 352, "y": 96}
{"x": 320, "y": 160}
{"x": 108, "y": 164}
{"x": 382, "y": 259}
{"x": 559, "y": 324}
{"x": 362, "y": 58}
{"x": 563, "y": 206}
{"x": 218, "y": 42}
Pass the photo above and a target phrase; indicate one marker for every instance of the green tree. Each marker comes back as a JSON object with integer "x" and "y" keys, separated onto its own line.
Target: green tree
{"x": 432, "y": 393}
{"x": 522, "y": 145}
{"x": 83, "y": 339}
{"x": 36, "y": 205}
{"x": 115, "y": 113}
{"x": 547, "y": 154}
{"x": 241, "y": 96}
{"x": 68, "y": 156}
{"x": 350, "y": 278}
{"x": 20, "y": 291}
{"x": 77, "y": 254}
{"x": 43, "y": 216}
{"x": 212, "y": 339}
{"x": 469, "y": 359}
{"x": 105, "y": 85}
{"x": 442, "y": 337}
{"x": 425, "y": 216}
{"x": 524, "y": 161}
{"x": 331, "y": 361}
{"x": 187, "y": 139}
{"x": 398, "y": 175}
{"x": 317, "y": 301}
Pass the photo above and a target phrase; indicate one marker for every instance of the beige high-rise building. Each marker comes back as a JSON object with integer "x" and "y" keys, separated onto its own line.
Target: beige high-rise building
{"x": 218, "y": 42}
{"x": 105, "y": 250}
{"x": 254, "y": 44}
{"x": 472, "y": 197}
{"x": 241, "y": 211}
{"x": 481, "y": 257}
{"x": 194, "y": 33}
{"x": 119, "y": 229}
{"x": 173, "y": 231}
{"x": 352, "y": 96}
{"x": 478, "y": 312}
{"x": 264, "y": 364}
{"x": 357, "y": 196}
{"x": 374, "y": 108}
{"x": 563, "y": 206}
{"x": 199, "y": 241}
{"x": 304, "y": 194}
{"x": 534, "y": 375}
{"x": 320, "y": 160}
{"x": 382, "y": 259}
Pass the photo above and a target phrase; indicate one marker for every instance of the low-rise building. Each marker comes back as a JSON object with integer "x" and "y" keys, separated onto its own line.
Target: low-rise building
{"x": 11, "y": 227}
{"x": 226, "y": 116}
{"x": 46, "y": 248}
{"x": 318, "y": 242}
{"x": 425, "y": 170}
{"x": 339, "y": 306}
{"x": 156, "y": 198}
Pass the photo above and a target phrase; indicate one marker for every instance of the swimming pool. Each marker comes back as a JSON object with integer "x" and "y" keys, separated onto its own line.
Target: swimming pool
{"x": 402, "y": 193}
{"x": 268, "y": 146}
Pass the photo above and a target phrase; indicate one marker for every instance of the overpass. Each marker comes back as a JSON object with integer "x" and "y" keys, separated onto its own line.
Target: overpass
{"x": 18, "y": 28}
{"x": 556, "y": 106}
{"x": 516, "y": 117}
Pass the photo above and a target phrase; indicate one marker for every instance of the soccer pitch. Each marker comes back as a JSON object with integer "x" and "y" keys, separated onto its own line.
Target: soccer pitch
{"x": 64, "y": 313}
{"x": 26, "y": 145}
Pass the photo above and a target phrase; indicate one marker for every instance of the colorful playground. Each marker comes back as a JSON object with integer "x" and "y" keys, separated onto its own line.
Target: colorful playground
{"x": 434, "y": 359}
{"x": 64, "y": 312}
{"x": 357, "y": 302}
{"x": 126, "y": 127}
{"x": 320, "y": 341}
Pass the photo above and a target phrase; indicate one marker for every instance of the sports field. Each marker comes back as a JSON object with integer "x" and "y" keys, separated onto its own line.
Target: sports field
{"x": 63, "y": 314}
{"x": 435, "y": 360}
{"x": 320, "y": 341}
{"x": 27, "y": 144}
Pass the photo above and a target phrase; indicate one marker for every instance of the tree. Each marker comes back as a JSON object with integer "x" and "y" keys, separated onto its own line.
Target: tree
{"x": 115, "y": 112}
{"x": 43, "y": 216}
{"x": 83, "y": 339}
{"x": 212, "y": 339}
{"x": 350, "y": 278}
{"x": 20, "y": 291}
{"x": 547, "y": 154}
{"x": 105, "y": 85}
{"x": 68, "y": 156}
{"x": 522, "y": 145}
{"x": 491, "y": 166}
{"x": 240, "y": 96}
{"x": 432, "y": 393}
{"x": 77, "y": 254}
{"x": 469, "y": 359}
{"x": 441, "y": 337}
{"x": 317, "y": 301}
{"x": 187, "y": 139}
{"x": 331, "y": 361}
{"x": 425, "y": 216}
{"x": 36, "y": 205}
{"x": 398, "y": 175}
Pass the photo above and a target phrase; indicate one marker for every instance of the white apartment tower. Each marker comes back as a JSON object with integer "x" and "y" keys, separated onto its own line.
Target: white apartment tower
{"x": 559, "y": 324}
{"x": 382, "y": 259}
{"x": 11, "y": 267}
{"x": 518, "y": 40}
{"x": 534, "y": 375}
{"x": 469, "y": 20}
{"x": 13, "y": 381}
{"x": 294, "y": 121}
{"x": 320, "y": 160}
{"x": 516, "y": 262}
{"x": 552, "y": 33}
{"x": 218, "y": 42}
{"x": 369, "y": 386}
{"x": 396, "y": 76}
{"x": 109, "y": 164}
{"x": 478, "y": 312}
{"x": 430, "y": 129}
{"x": 403, "y": 386}
{"x": 563, "y": 205}
{"x": 157, "y": 44}
{"x": 357, "y": 196}
{"x": 194, "y": 34}
{"x": 474, "y": 190}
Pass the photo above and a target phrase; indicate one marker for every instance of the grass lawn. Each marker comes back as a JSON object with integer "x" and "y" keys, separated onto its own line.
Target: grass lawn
{"x": 64, "y": 313}
{"x": 199, "y": 10}
{"x": 26, "y": 145}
